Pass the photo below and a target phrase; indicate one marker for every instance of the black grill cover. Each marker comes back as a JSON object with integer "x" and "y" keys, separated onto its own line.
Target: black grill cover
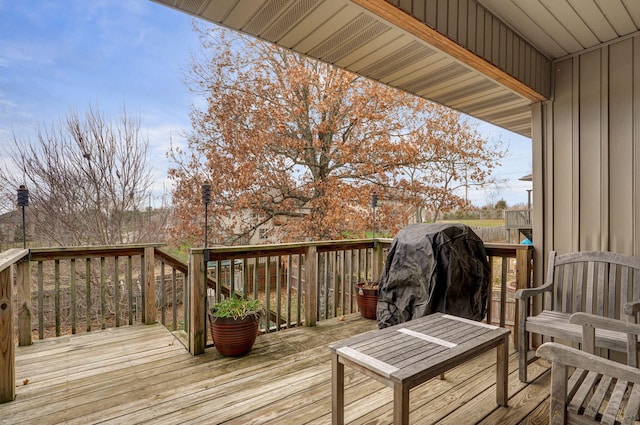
{"x": 434, "y": 268}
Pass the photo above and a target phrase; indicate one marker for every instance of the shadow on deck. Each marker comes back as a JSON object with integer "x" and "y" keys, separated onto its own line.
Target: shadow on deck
{"x": 143, "y": 374}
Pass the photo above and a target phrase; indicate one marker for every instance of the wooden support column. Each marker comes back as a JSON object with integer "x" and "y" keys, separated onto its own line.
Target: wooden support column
{"x": 378, "y": 261}
{"x": 7, "y": 349}
{"x": 150, "y": 286}
{"x": 197, "y": 303}
{"x": 311, "y": 286}
{"x": 524, "y": 255}
{"x": 23, "y": 274}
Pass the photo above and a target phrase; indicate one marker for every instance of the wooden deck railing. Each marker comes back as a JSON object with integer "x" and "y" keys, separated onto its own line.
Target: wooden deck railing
{"x": 305, "y": 282}
{"x": 77, "y": 289}
{"x": 298, "y": 283}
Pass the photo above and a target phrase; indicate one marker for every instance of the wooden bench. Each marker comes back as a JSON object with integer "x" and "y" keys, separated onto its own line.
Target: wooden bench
{"x": 598, "y": 390}
{"x": 596, "y": 282}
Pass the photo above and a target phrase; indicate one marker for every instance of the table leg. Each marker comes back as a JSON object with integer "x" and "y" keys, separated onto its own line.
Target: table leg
{"x": 400, "y": 404}
{"x": 502, "y": 372}
{"x": 337, "y": 390}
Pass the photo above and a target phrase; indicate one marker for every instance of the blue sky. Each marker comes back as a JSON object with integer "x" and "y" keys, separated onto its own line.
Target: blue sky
{"x": 61, "y": 56}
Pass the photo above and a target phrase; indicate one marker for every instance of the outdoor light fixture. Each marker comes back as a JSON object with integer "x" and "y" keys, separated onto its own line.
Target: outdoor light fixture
{"x": 206, "y": 199}
{"x": 23, "y": 201}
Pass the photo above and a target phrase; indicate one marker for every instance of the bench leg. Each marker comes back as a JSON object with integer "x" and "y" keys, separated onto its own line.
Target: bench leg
{"x": 502, "y": 372}
{"x": 337, "y": 391}
{"x": 523, "y": 350}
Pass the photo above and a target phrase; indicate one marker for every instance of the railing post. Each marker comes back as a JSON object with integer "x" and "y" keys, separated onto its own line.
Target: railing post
{"x": 378, "y": 261}
{"x": 150, "y": 286}
{"x": 7, "y": 349}
{"x": 523, "y": 280}
{"x": 23, "y": 274}
{"x": 197, "y": 303}
{"x": 311, "y": 286}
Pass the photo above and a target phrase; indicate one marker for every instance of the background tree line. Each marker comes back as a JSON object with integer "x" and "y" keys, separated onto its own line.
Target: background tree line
{"x": 285, "y": 142}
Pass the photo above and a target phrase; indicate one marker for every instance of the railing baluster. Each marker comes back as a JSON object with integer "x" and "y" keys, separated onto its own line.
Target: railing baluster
{"x": 299, "y": 291}
{"x": 311, "y": 286}
{"x": 87, "y": 278}
{"x": 503, "y": 291}
{"x": 56, "y": 294}
{"x": 116, "y": 290}
{"x": 267, "y": 293}
{"x": 163, "y": 302}
{"x": 289, "y": 289}
{"x": 278, "y": 291}
{"x": 174, "y": 300}
{"x": 343, "y": 282}
{"x": 245, "y": 278}
{"x": 218, "y": 293}
{"x": 149, "y": 285}
{"x": 130, "y": 289}
{"x": 490, "y": 300}
{"x": 40, "y": 300}
{"x": 103, "y": 294}
{"x": 232, "y": 276}
{"x": 23, "y": 274}
{"x": 336, "y": 284}
{"x": 73, "y": 297}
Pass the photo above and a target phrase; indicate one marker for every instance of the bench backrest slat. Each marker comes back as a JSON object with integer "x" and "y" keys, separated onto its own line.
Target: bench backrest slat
{"x": 593, "y": 282}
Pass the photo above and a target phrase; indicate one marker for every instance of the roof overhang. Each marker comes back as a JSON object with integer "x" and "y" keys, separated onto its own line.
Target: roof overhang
{"x": 475, "y": 56}
{"x": 376, "y": 39}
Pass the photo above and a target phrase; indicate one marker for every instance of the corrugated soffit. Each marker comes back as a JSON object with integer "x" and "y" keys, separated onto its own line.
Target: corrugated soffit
{"x": 342, "y": 33}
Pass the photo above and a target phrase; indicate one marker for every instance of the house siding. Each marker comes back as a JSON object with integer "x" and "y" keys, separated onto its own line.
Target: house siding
{"x": 587, "y": 153}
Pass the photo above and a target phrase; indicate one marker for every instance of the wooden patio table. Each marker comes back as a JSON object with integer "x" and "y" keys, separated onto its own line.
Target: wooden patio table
{"x": 408, "y": 354}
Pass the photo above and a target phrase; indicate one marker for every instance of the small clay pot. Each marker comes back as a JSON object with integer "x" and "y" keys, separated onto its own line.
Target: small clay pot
{"x": 367, "y": 299}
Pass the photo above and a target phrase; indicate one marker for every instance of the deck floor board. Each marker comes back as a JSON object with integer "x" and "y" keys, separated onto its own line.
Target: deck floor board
{"x": 143, "y": 375}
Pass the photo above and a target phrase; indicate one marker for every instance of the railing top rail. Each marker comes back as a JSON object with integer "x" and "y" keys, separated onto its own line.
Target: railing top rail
{"x": 505, "y": 249}
{"x": 11, "y": 256}
{"x": 251, "y": 251}
{"x": 57, "y": 253}
{"x": 172, "y": 261}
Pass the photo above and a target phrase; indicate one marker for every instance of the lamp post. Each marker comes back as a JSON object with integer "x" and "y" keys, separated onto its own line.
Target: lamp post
{"x": 23, "y": 201}
{"x": 206, "y": 198}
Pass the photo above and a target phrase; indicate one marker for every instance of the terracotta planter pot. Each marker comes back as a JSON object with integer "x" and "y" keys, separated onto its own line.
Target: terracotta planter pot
{"x": 234, "y": 337}
{"x": 367, "y": 300}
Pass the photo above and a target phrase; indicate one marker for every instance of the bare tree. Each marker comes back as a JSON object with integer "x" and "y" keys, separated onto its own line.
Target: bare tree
{"x": 87, "y": 178}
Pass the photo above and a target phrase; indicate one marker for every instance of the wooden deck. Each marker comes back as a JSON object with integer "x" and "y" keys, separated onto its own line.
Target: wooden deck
{"x": 143, "y": 374}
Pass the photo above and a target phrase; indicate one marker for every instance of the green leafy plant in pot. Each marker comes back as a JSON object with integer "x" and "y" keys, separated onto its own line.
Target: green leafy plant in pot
{"x": 234, "y": 324}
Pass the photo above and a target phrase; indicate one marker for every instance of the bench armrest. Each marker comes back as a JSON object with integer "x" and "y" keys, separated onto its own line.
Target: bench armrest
{"x": 568, "y": 356}
{"x": 523, "y": 294}
{"x": 591, "y": 322}
{"x": 607, "y": 323}
{"x": 632, "y": 308}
